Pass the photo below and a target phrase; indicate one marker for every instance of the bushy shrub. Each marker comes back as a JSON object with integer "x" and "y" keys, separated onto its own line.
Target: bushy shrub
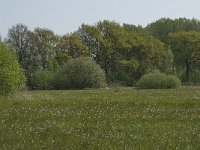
{"x": 80, "y": 73}
{"x": 11, "y": 74}
{"x": 158, "y": 81}
{"x": 61, "y": 79}
{"x": 42, "y": 80}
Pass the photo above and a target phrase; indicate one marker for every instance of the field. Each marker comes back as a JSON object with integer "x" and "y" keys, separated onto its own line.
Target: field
{"x": 116, "y": 118}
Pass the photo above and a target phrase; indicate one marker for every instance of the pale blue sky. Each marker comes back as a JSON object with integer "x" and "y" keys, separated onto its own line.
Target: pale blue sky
{"x": 65, "y": 16}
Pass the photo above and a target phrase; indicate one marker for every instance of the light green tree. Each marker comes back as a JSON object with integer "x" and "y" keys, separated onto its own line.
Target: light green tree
{"x": 11, "y": 75}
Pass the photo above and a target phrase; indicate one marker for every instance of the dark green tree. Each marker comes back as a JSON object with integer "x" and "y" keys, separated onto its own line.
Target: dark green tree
{"x": 136, "y": 29}
{"x": 186, "y": 49}
{"x": 162, "y": 27}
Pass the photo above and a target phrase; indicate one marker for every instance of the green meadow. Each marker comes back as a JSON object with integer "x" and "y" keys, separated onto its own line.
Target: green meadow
{"x": 96, "y": 119}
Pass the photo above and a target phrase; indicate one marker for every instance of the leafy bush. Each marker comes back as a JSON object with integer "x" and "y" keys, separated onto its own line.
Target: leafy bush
{"x": 80, "y": 73}
{"x": 42, "y": 80}
{"x": 158, "y": 81}
{"x": 11, "y": 74}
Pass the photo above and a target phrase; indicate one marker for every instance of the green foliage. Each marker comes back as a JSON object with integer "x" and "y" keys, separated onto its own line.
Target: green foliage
{"x": 129, "y": 65}
{"x": 124, "y": 75}
{"x": 75, "y": 47}
{"x": 11, "y": 75}
{"x": 158, "y": 81}
{"x": 167, "y": 60}
{"x": 195, "y": 76}
{"x": 80, "y": 73}
{"x": 44, "y": 43}
{"x": 125, "y": 53}
{"x": 136, "y": 29}
{"x": 186, "y": 49}
{"x": 35, "y": 50}
{"x": 162, "y": 27}
{"x": 183, "y": 40}
{"x": 42, "y": 80}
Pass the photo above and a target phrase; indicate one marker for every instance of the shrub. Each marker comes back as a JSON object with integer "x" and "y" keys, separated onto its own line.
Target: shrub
{"x": 61, "y": 79}
{"x": 42, "y": 80}
{"x": 158, "y": 81}
{"x": 11, "y": 74}
{"x": 80, "y": 73}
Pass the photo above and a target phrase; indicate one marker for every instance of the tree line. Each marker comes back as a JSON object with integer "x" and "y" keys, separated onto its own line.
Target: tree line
{"x": 125, "y": 52}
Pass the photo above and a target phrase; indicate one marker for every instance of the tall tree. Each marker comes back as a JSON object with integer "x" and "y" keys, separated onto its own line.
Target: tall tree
{"x": 112, "y": 40}
{"x": 186, "y": 49}
{"x": 18, "y": 39}
{"x": 162, "y": 27}
{"x": 44, "y": 43}
{"x": 124, "y": 54}
{"x": 74, "y": 46}
{"x": 91, "y": 37}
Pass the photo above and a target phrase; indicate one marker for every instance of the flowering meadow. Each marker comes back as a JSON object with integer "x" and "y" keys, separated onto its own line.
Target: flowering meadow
{"x": 113, "y": 118}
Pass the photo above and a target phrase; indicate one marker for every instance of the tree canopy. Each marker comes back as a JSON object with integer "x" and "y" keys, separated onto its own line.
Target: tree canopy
{"x": 125, "y": 52}
{"x": 162, "y": 27}
{"x": 186, "y": 49}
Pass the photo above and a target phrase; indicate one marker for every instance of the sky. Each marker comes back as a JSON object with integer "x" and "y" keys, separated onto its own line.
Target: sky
{"x": 65, "y": 16}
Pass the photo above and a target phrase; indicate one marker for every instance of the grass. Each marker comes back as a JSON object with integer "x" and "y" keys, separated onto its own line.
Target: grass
{"x": 118, "y": 118}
